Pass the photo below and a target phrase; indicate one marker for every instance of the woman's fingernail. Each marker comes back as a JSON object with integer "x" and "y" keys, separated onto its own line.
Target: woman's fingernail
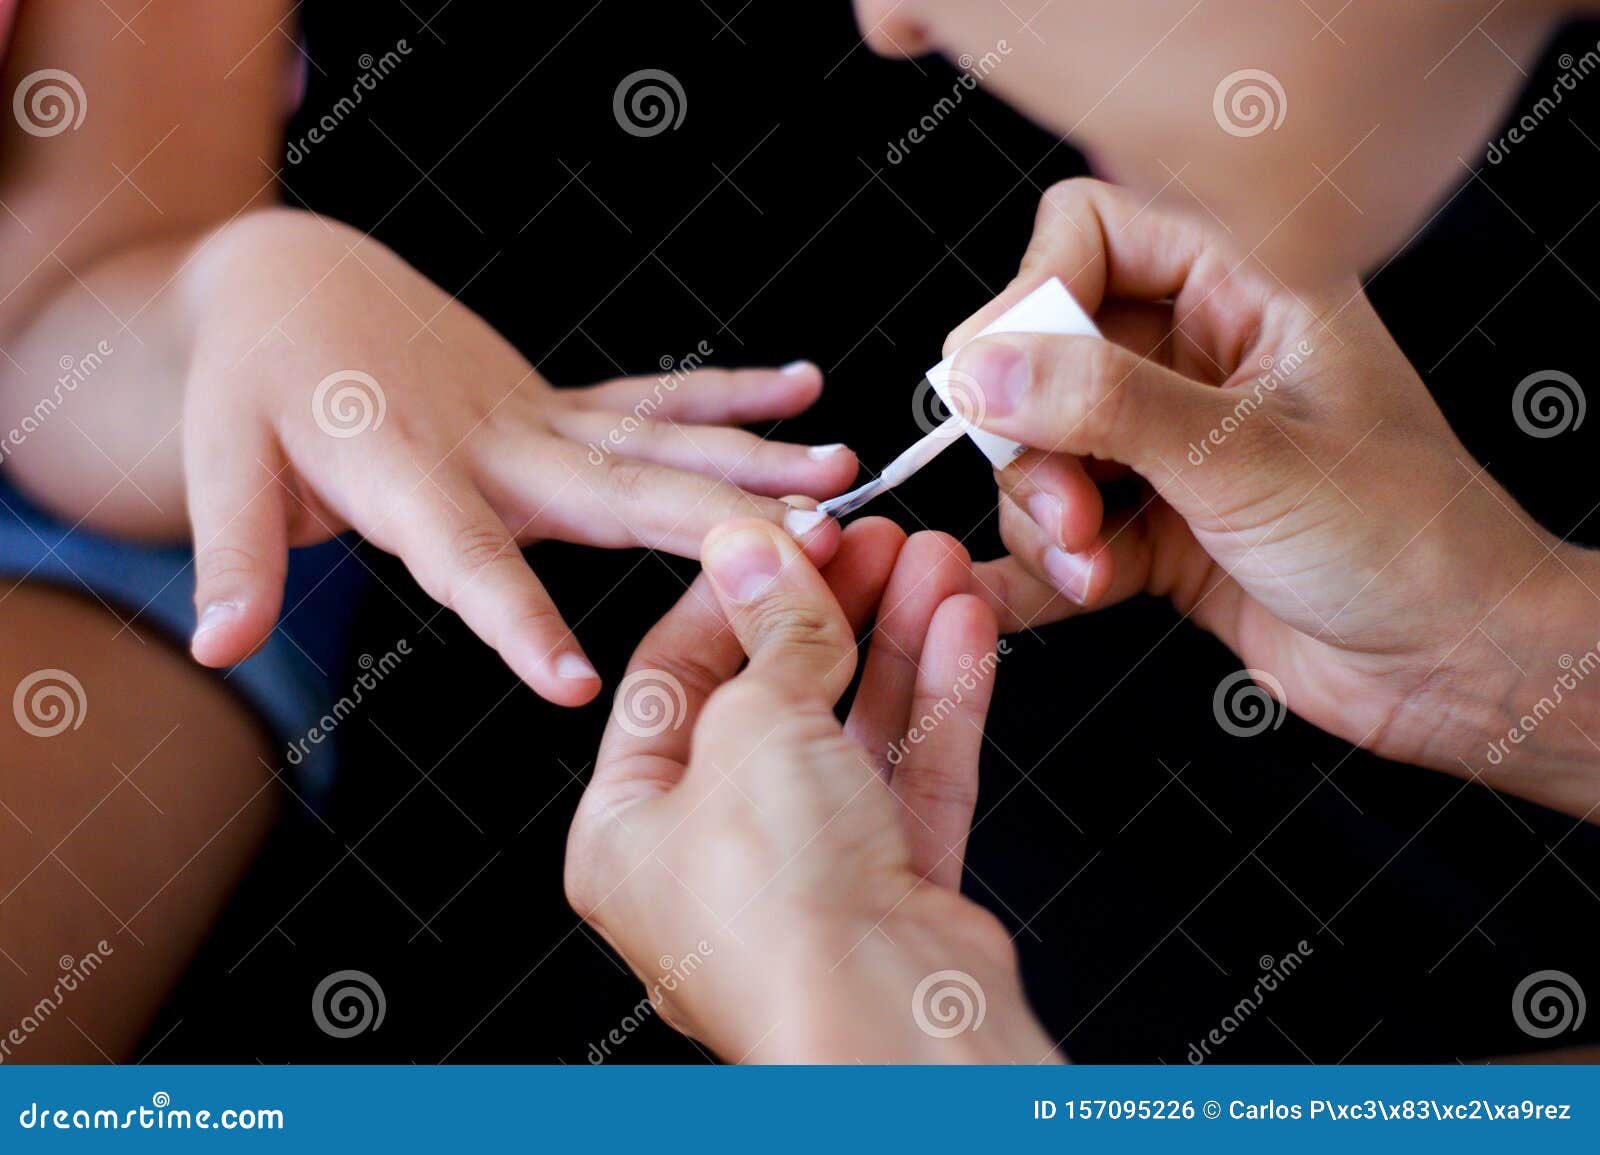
{"x": 1046, "y": 513}
{"x": 1069, "y": 572}
{"x": 575, "y": 668}
{"x": 743, "y": 564}
{"x": 797, "y": 368}
{"x": 214, "y": 615}
{"x": 1001, "y": 371}
{"x": 818, "y": 452}
{"x": 800, "y": 522}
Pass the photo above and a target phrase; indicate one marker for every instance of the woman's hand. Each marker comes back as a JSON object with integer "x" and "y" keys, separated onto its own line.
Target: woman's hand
{"x": 809, "y": 869}
{"x": 333, "y": 387}
{"x": 1304, "y": 499}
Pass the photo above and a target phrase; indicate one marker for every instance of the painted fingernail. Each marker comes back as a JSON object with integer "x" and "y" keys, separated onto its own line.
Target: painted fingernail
{"x": 800, "y": 522}
{"x": 1046, "y": 512}
{"x": 214, "y": 615}
{"x": 818, "y": 452}
{"x": 797, "y": 368}
{"x": 575, "y": 668}
{"x": 1001, "y": 371}
{"x": 1069, "y": 572}
{"x": 743, "y": 564}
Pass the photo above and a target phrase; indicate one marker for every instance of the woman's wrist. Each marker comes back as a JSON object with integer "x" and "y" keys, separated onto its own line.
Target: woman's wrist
{"x": 1530, "y": 702}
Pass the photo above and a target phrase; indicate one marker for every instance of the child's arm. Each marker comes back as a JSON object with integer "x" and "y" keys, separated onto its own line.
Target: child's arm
{"x": 286, "y": 378}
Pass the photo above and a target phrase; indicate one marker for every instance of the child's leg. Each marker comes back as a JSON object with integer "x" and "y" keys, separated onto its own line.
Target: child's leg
{"x": 131, "y": 829}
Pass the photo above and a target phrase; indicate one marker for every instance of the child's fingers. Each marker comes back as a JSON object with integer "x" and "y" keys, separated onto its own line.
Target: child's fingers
{"x": 936, "y": 773}
{"x": 931, "y": 567}
{"x": 712, "y": 396}
{"x": 860, "y": 570}
{"x": 621, "y": 502}
{"x": 756, "y": 464}
{"x": 464, "y": 557}
{"x": 241, "y": 549}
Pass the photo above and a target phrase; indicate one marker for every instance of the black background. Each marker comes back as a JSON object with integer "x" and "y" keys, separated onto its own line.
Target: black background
{"x": 770, "y": 225}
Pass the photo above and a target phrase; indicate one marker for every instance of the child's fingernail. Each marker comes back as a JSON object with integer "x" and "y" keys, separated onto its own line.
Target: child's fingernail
{"x": 1069, "y": 572}
{"x": 800, "y": 522}
{"x": 743, "y": 564}
{"x": 1001, "y": 371}
{"x": 575, "y": 668}
{"x": 818, "y": 452}
{"x": 214, "y": 615}
{"x": 1046, "y": 512}
{"x": 796, "y": 369}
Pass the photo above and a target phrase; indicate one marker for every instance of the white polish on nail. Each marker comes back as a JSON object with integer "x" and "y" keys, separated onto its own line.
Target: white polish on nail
{"x": 800, "y": 522}
{"x": 819, "y": 452}
{"x": 796, "y": 368}
{"x": 574, "y": 667}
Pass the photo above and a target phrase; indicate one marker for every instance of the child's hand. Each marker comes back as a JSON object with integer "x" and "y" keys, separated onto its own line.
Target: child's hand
{"x": 333, "y": 387}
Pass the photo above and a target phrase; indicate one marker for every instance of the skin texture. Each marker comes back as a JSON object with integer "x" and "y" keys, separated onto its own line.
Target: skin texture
{"x": 815, "y": 877}
{"x": 1306, "y": 500}
{"x": 1379, "y": 103}
{"x": 145, "y": 814}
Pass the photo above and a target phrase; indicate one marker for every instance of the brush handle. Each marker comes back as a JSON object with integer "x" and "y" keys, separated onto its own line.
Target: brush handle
{"x": 1048, "y": 309}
